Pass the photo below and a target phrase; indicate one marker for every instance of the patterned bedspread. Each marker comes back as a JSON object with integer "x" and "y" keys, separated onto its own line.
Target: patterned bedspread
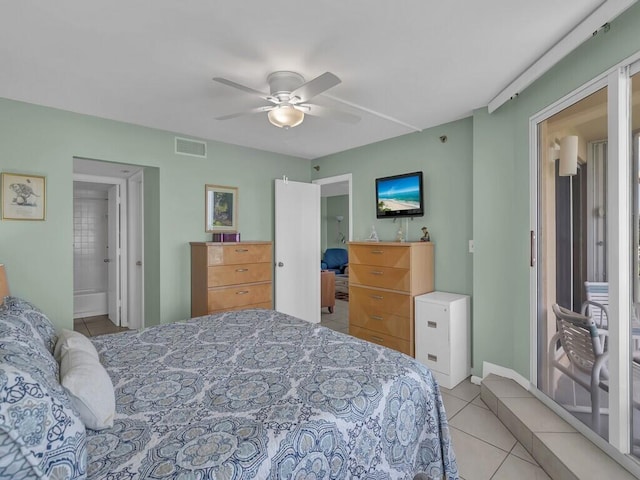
{"x": 259, "y": 394}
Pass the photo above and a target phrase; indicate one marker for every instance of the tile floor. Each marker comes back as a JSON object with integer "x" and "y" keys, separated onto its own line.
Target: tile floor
{"x": 99, "y": 325}
{"x": 484, "y": 448}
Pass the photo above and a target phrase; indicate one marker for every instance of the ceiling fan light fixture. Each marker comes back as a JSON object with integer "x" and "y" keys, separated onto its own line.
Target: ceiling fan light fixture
{"x": 285, "y": 116}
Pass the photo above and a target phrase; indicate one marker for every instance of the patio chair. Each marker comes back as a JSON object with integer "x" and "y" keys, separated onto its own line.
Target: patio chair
{"x": 582, "y": 346}
{"x": 597, "y": 303}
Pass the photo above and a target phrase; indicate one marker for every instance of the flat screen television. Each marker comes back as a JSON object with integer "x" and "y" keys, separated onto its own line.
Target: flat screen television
{"x": 400, "y": 196}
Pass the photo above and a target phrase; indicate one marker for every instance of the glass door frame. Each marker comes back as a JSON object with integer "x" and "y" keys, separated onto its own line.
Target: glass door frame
{"x": 619, "y": 252}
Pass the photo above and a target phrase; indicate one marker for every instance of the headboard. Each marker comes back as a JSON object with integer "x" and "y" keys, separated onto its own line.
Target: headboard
{"x": 4, "y": 285}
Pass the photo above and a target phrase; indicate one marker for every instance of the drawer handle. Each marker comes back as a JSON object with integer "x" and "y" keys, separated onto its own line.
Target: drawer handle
{"x": 376, "y": 272}
{"x": 433, "y": 358}
{"x": 376, "y": 317}
{"x": 242, "y": 250}
{"x": 242, "y": 292}
{"x": 377, "y": 339}
{"x": 240, "y": 270}
{"x": 377, "y": 252}
{"x": 377, "y": 297}
{"x": 432, "y": 324}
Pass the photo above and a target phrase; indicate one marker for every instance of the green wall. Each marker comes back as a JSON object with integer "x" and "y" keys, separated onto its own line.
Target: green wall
{"x": 448, "y": 183}
{"x": 39, "y": 255}
{"x": 477, "y": 187}
{"x": 501, "y": 326}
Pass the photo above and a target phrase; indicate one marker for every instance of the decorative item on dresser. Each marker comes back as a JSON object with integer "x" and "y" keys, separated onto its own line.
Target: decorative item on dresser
{"x": 384, "y": 278}
{"x": 230, "y": 276}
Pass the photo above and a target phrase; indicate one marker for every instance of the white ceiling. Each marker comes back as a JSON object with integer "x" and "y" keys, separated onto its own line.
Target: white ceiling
{"x": 405, "y": 65}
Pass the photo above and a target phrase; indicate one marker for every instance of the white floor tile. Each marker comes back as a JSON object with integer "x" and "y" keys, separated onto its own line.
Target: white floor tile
{"x": 483, "y": 424}
{"x": 452, "y": 405}
{"x": 521, "y": 452}
{"x": 479, "y": 403}
{"x": 516, "y": 468}
{"x": 465, "y": 390}
{"x": 477, "y": 460}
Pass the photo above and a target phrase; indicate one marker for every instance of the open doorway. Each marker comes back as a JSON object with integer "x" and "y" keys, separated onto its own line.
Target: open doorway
{"x": 336, "y": 232}
{"x": 108, "y": 247}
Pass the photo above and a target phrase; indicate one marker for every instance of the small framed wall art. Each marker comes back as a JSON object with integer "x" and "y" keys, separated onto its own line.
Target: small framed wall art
{"x": 23, "y": 196}
{"x": 221, "y": 208}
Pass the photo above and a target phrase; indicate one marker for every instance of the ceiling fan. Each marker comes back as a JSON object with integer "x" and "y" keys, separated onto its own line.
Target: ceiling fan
{"x": 289, "y": 96}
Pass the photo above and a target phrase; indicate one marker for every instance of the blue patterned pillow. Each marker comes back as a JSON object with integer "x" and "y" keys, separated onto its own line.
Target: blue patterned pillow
{"x": 14, "y": 461}
{"x": 41, "y": 434}
{"x": 17, "y": 338}
{"x": 39, "y": 428}
{"x": 30, "y": 314}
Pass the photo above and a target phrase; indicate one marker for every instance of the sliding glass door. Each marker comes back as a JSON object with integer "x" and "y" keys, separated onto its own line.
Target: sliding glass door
{"x": 586, "y": 226}
{"x": 635, "y": 271}
{"x": 572, "y": 177}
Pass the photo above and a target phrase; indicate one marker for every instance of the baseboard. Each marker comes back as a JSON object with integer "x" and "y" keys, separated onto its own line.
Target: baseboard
{"x": 90, "y": 313}
{"x": 489, "y": 368}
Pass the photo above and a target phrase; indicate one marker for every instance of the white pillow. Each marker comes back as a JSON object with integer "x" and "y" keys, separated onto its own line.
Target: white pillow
{"x": 89, "y": 387}
{"x": 68, "y": 339}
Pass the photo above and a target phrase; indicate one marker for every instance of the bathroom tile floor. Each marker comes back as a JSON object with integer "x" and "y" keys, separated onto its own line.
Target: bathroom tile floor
{"x": 98, "y": 325}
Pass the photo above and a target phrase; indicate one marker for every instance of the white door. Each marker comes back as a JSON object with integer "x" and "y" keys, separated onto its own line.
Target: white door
{"x": 297, "y": 249}
{"x": 113, "y": 253}
{"x": 135, "y": 265}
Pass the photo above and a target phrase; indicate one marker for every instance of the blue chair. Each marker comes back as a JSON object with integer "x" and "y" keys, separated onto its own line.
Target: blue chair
{"x": 335, "y": 260}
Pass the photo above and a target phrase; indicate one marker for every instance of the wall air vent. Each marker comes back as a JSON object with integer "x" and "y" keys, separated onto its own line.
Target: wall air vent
{"x": 193, "y": 148}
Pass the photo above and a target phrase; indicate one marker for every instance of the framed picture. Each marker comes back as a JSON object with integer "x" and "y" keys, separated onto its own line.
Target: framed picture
{"x": 23, "y": 197}
{"x": 221, "y": 212}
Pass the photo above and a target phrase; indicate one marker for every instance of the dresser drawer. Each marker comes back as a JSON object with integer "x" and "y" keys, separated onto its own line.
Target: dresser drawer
{"x": 403, "y": 346}
{"x": 381, "y": 300}
{"x": 382, "y": 255}
{"x": 382, "y": 277}
{"x": 267, "y": 305}
{"x": 238, "y": 253}
{"x": 365, "y": 316}
{"x": 241, "y": 295}
{"x": 222, "y": 275}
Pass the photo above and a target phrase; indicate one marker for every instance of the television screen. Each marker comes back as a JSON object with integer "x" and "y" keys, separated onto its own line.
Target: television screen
{"x": 400, "y": 196}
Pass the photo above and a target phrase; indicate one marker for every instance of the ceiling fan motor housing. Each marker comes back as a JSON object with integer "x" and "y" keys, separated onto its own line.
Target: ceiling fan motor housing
{"x": 283, "y": 83}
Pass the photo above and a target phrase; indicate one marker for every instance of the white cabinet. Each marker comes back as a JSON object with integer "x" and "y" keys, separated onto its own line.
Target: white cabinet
{"x": 442, "y": 336}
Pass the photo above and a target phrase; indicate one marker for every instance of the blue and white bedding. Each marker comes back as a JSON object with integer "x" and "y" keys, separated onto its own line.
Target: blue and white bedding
{"x": 259, "y": 394}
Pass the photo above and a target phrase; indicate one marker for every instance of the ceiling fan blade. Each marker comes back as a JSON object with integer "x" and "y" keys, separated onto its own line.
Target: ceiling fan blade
{"x": 265, "y": 108}
{"x": 331, "y": 113}
{"x": 316, "y": 86}
{"x": 250, "y": 90}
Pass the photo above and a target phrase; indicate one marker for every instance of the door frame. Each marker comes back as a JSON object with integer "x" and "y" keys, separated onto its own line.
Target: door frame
{"x": 135, "y": 238}
{"x": 123, "y": 287}
{"x": 348, "y": 177}
{"x": 617, "y": 80}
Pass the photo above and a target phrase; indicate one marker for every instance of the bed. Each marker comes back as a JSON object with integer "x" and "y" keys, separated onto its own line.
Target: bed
{"x": 246, "y": 394}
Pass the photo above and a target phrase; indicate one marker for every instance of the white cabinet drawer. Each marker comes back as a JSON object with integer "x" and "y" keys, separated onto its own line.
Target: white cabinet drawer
{"x": 432, "y": 334}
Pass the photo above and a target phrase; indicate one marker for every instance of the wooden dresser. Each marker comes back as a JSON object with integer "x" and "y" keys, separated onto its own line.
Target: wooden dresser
{"x": 230, "y": 276}
{"x": 384, "y": 278}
